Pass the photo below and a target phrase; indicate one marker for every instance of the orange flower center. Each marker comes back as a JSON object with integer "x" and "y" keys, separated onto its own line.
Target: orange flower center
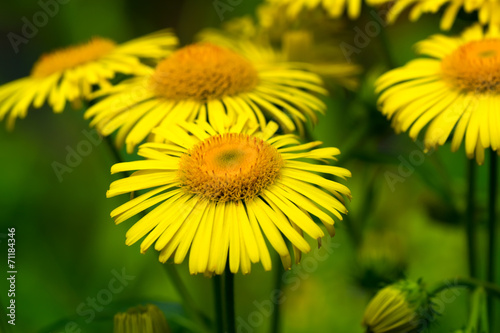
{"x": 474, "y": 66}
{"x": 71, "y": 57}
{"x": 230, "y": 167}
{"x": 202, "y": 72}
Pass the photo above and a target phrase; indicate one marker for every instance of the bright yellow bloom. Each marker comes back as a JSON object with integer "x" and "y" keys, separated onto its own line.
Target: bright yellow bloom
{"x": 456, "y": 89}
{"x": 222, "y": 194}
{"x": 294, "y": 46}
{"x": 68, "y": 75}
{"x": 334, "y": 8}
{"x": 209, "y": 82}
{"x": 141, "y": 319}
{"x": 488, "y": 10}
{"x": 401, "y": 307}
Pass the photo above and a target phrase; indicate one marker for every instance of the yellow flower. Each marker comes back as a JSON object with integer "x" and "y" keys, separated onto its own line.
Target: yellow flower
{"x": 334, "y": 8}
{"x": 68, "y": 75}
{"x": 222, "y": 194}
{"x": 294, "y": 46}
{"x": 456, "y": 89}
{"x": 141, "y": 319}
{"x": 209, "y": 82}
{"x": 321, "y": 59}
{"x": 401, "y": 307}
{"x": 488, "y": 10}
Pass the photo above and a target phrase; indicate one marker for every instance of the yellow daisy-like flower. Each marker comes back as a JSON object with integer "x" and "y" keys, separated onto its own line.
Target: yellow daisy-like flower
{"x": 404, "y": 306}
{"x": 296, "y": 46}
{"x": 457, "y": 88}
{"x": 334, "y": 8}
{"x": 213, "y": 83}
{"x": 222, "y": 194}
{"x": 68, "y": 75}
{"x": 321, "y": 59}
{"x": 488, "y": 10}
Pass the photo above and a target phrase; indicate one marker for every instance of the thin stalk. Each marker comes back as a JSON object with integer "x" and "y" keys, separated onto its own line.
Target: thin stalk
{"x": 470, "y": 221}
{"x": 492, "y": 230}
{"x": 386, "y": 46}
{"x": 189, "y": 304}
{"x": 308, "y": 135}
{"x": 278, "y": 285}
{"x": 460, "y": 282}
{"x": 114, "y": 151}
{"x": 219, "y": 308}
{"x": 475, "y": 323}
{"x": 229, "y": 301}
{"x": 171, "y": 270}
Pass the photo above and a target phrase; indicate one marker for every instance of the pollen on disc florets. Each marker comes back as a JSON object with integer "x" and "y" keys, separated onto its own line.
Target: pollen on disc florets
{"x": 474, "y": 67}
{"x": 230, "y": 167}
{"x": 71, "y": 57}
{"x": 203, "y": 72}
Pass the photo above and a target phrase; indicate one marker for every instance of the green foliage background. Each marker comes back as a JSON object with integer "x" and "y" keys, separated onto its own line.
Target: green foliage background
{"x": 67, "y": 245}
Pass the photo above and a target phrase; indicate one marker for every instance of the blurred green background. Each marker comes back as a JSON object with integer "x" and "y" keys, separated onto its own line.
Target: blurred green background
{"x": 67, "y": 246}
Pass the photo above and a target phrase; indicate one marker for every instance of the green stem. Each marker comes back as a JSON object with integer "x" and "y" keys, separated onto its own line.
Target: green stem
{"x": 308, "y": 135}
{"x": 219, "y": 309}
{"x": 484, "y": 318}
{"x": 351, "y": 145}
{"x": 189, "y": 304}
{"x": 114, "y": 151}
{"x": 384, "y": 39}
{"x": 171, "y": 270}
{"x": 476, "y": 313}
{"x": 278, "y": 285}
{"x": 229, "y": 297}
{"x": 492, "y": 230}
{"x": 470, "y": 222}
{"x": 471, "y": 283}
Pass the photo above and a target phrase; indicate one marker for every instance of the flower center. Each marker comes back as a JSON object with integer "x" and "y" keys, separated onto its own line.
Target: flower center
{"x": 202, "y": 72}
{"x": 230, "y": 167}
{"x": 62, "y": 59}
{"x": 475, "y": 66}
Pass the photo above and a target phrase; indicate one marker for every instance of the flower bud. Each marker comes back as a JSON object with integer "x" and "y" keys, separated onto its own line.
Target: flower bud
{"x": 403, "y": 307}
{"x": 141, "y": 319}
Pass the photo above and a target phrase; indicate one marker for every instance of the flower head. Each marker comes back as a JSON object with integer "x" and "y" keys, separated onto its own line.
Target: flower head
{"x": 488, "y": 10}
{"x": 221, "y": 194}
{"x": 400, "y": 307}
{"x": 302, "y": 47}
{"x": 212, "y": 83}
{"x": 141, "y": 319}
{"x": 453, "y": 90}
{"x": 334, "y": 8}
{"x": 69, "y": 74}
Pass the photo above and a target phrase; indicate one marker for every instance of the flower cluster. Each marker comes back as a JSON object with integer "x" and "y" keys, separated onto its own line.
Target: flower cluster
{"x": 222, "y": 168}
{"x": 217, "y": 181}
